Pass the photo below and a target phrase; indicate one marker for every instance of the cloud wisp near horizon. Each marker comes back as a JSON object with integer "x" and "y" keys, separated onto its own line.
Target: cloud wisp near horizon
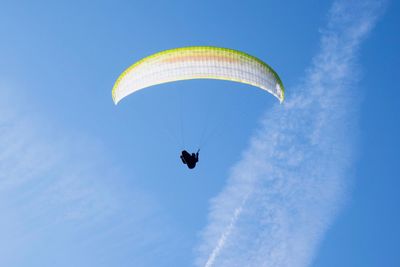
{"x": 283, "y": 195}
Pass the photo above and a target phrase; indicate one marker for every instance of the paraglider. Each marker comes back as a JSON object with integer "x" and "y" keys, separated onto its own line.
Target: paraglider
{"x": 190, "y": 159}
{"x": 197, "y": 62}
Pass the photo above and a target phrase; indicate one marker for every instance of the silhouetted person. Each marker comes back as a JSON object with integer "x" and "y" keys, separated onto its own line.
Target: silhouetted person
{"x": 190, "y": 160}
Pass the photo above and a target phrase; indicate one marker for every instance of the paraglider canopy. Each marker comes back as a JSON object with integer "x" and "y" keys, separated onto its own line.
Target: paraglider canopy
{"x": 198, "y": 62}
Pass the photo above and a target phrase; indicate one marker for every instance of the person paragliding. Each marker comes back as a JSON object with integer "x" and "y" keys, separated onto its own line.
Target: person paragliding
{"x": 190, "y": 159}
{"x": 197, "y": 62}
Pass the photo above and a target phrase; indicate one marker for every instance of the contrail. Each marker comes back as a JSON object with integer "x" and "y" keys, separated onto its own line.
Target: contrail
{"x": 225, "y": 234}
{"x": 297, "y": 165}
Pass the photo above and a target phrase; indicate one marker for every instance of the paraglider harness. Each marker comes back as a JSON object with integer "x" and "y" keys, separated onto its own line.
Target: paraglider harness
{"x": 190, "y": 160}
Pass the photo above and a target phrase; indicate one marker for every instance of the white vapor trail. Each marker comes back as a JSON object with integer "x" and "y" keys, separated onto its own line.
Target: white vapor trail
{"x": 225, "y": 235}
{"x": 285, "y": 192}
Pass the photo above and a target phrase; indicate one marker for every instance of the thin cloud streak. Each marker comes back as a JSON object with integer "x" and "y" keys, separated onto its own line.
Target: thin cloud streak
{"x": 225, "y": 235}
{"x": 58, "y": 187}
{"x": 285, "y": 192}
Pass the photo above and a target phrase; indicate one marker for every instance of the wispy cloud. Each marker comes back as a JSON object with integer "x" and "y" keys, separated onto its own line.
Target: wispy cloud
{"x": 60, "y": 196}
{"x": 285, "y": 192}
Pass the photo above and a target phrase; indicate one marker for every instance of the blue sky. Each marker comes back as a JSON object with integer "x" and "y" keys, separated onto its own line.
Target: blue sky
{"x": 312, "y": 182}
